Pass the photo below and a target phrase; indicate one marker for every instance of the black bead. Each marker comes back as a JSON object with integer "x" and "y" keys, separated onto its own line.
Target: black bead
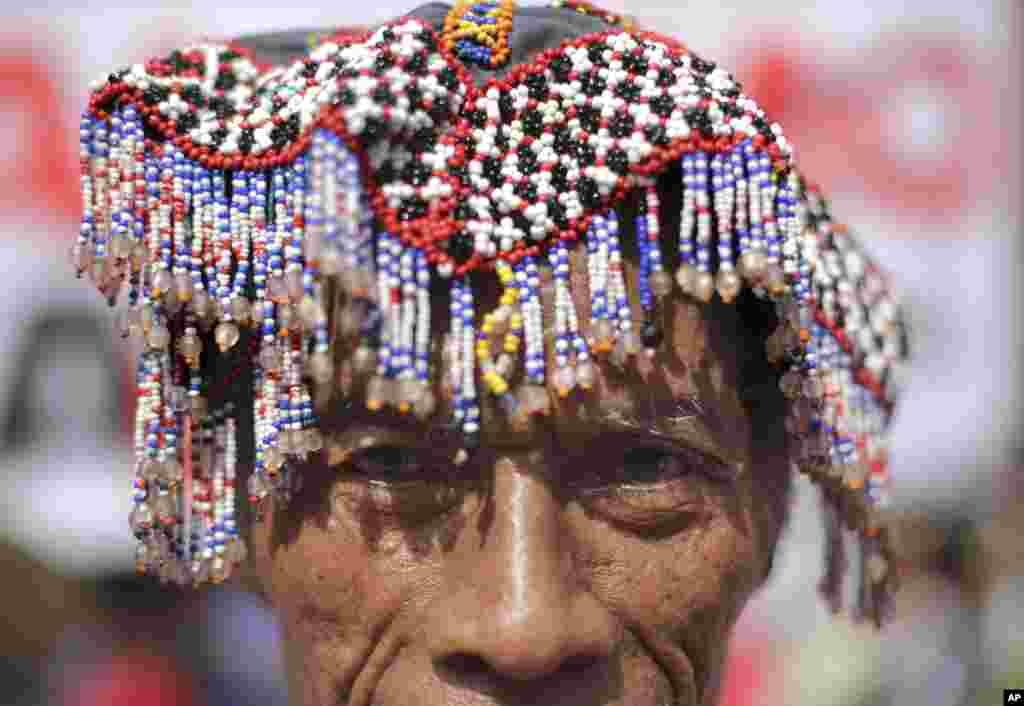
{"x": 225, "y": 81}
{"x": 222, "y": 107}
{"x": 383, "y": 62}
{"x": 731, "y": 92}
{"x": 666, "y": 77}
{"x": 556, "y": 213}
{"x": 521, "y": 222}
{"x": 526, "y": 191}
{"x": 471, "y": 442}
{"x": 461, "y": 212}
{"x": 656, "y": 134}
{"x": 589, "y": 117}
{"x": 309, "y": 68}
{"x": 562, "y": 139}
{"x": 506, "y": 106}
{"x": 621, "y": 125}
{"x": 586, "y": 155}
{"x": 416, "y": 172}
{"x": 460, "y": 247}
{"x": 663, "y": 106}
{"x": 590, "y": 196}
{"x": 416, "y": 208}
{"x": 527, "y": 159}
{"x": 388, "y": 35}
{"x": 226, "y": 56}
{"x": 217, "y": 137}
{"x": 246, "y": 140}
{"x": 501, "y": 138}
{"x": 373, "y": 129}
{"x": 628, "y": 91}
{"x": 700, "y": 65}
{"x": 560, "y": 177}
{"x": 651, "y": 334}
{"x": 697, "y": 119}
{"x": 154, "y": 95}
{"x": 596, "y": 54}
{"x": 448, "y": 79}
{"x": 533, "y": 123}
{"x": 537, "y": 85}
{"x": 193, "y": 95}
{"x": 592, "y": 84}
{"x": 427, "y": 38}
{"x": 179, "y": 62}
{"x": 417, "y": 64}
{"x": 415, "y": 96}
{"x": 731, "y": 110}
{"x": 561, "y": 67}
{"x": 383, "y": 94}
{"x": 186, "y": 122}
{"x": 347, "y": 96}
{"x": 635, "y": 64}
{"x": 492, "y": 170}
{"x": 617, "y": 160}
{"x": 477, "y": 118}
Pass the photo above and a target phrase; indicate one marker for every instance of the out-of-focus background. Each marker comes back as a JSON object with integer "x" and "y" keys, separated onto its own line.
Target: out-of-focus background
{"x": 907, "y": 113}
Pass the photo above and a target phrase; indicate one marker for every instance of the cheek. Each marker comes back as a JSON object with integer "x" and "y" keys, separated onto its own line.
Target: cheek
{"x": 323, "y": 594}
{"x": 689, "y": 587}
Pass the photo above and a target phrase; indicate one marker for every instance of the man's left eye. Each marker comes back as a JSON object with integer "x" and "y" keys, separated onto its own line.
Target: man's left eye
{"x": 389, "y": 463}
{"x": 645, "y": 464}
{"x": 612, "y": 465}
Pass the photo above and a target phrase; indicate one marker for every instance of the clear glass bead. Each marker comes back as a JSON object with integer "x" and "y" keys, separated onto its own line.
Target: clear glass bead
{"x": 226, "y": 335}
{"x": 321, "y": 368}
{"x": 661, "y": 284}
{"x": 159, "y": 337}
{"x": 565, "y": 380}
{"x": 585, "y": 375}
{"x": 728, "y": 285}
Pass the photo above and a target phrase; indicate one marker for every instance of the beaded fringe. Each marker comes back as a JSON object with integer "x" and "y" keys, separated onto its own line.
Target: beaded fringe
{"x": 204, "y": 254}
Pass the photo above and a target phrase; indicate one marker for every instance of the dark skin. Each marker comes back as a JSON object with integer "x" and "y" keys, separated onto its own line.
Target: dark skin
{"x": 598, "y": 556}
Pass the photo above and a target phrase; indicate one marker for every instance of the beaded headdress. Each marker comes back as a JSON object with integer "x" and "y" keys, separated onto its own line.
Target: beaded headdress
{"x": 226, "y": 199}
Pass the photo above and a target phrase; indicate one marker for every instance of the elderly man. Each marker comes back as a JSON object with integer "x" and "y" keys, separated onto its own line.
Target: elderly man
{"x": 513, "y": 321}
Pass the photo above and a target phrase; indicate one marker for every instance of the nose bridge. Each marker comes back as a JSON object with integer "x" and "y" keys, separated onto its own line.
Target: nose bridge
{"x": 514, "y": 603}
{"x": 523, "y": 549}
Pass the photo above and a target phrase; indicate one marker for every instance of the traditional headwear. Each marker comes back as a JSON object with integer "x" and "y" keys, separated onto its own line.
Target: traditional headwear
{"x": 222, "y": 195}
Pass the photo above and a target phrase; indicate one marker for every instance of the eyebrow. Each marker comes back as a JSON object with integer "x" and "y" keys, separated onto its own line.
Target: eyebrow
{"x": 689, "y": 423}
{"x": 684, "y": 420}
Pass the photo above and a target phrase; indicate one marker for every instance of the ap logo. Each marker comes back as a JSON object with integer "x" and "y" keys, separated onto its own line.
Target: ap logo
{"x": 1014, "y": 696}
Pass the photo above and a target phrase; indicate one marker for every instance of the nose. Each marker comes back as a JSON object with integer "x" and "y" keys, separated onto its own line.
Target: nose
{"x": 516, "y": 606}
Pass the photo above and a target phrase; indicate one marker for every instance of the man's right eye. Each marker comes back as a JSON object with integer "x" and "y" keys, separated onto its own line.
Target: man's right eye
{"x": 389, "y": 463}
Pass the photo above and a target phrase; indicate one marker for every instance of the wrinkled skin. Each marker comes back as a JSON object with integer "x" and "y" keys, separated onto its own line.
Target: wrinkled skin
{"x": 557, "y": 567}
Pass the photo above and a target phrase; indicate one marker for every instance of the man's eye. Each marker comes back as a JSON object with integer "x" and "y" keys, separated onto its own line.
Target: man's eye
{"x": 650, "y": 488}
{"x": 645, "y": 465}
{"x": 637, "y": 467}
{"x": 389, "y": 463}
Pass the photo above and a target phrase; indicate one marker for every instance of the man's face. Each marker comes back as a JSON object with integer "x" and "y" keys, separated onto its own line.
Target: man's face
{"x": 599, "y": 556}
